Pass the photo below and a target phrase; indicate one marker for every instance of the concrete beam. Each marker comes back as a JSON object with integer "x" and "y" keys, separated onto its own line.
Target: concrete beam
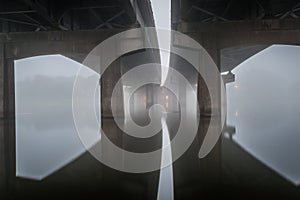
{"x": 110, "y": 19}
{"x": 42, "y": 11}
{"x": 240, "y": 26}
{"x": 108, "y": 25}
{"x": 209, "y": 13}
{"x": 230, "y": 34}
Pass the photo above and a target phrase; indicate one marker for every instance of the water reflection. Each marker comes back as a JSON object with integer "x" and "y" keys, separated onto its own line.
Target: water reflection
{"x": 264, "y": 108}
{"x": 165, "y": 185}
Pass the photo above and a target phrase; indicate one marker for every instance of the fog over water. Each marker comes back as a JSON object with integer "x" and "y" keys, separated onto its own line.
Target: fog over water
{"x": 264, "y": 106}
{"x": 46, "y": 136}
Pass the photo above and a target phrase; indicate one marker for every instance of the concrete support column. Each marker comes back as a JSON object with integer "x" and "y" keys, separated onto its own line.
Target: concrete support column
{"x": 2, "y": 160}
{"x": 212, "y": 162}
{"x": 210, "y": 166}
{"x": 108, "y": 81}
{"x": 9, "y": 125}
{"x": 1, "y": 80}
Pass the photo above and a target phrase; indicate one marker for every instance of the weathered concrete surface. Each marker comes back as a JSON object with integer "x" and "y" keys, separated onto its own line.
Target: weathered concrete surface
{"x": 2, "y": 163}
{"x": 1, "y": 78}
{"x": 244, "y": 33}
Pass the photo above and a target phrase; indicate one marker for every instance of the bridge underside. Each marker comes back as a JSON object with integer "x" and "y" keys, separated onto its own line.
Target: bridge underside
{"x": 231, "y": 31}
